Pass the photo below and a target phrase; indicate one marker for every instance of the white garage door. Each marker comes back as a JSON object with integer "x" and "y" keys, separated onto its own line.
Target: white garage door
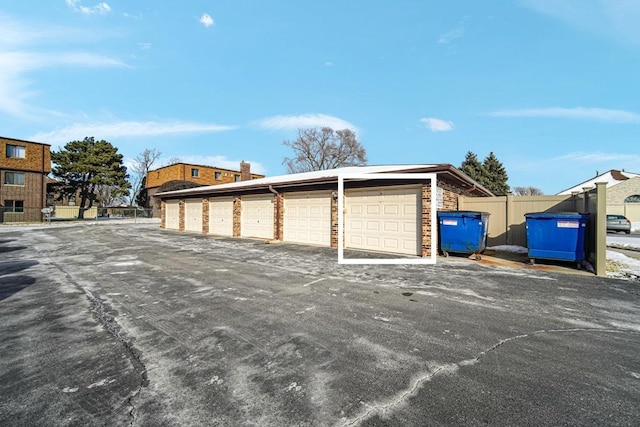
{"x": 384, "y": 219}
{"x": 221, "y": 216}
{"x": 172, "y": 214}
{"x": 193, "y": 215}
{"x": 307, "y": 218}
{"x": 256, "y": 219}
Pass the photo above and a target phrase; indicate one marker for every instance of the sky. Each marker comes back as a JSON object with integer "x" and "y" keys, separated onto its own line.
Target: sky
{"x": 551, "y": 87}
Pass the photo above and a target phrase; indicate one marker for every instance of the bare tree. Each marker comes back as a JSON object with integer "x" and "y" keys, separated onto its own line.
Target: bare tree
{"x": 173, "y": 161}
{"x": 321, "y": 149}
{"x": 141, "y": 166}
{"x": 527, "y": 191}
{"x": 109, "y": 195}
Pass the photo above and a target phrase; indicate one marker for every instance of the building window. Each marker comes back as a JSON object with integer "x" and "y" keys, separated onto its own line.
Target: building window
{"x": 217, "y": 175}
{"x": 14, "y": 178}
{"x": 633, "y": 199}
{"x": 16, "y": 206}
{"x": 236, "y": 177}
{"x": 17, "y": 151}
{"x": 195, "y": 173}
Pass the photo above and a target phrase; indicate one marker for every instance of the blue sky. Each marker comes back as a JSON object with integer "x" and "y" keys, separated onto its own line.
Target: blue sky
{"x": 551, "y": 87}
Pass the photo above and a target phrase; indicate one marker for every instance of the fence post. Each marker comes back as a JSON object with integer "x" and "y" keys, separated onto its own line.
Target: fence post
{"x": 509, "y": 218}
{"x": 601, "y": 229}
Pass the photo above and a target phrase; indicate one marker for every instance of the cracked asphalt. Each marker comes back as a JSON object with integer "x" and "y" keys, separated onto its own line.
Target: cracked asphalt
{"x": 127, "y": 324}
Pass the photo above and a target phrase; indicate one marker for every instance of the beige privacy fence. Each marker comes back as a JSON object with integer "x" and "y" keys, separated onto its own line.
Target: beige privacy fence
{"x": 507, "y": 221}
{"x": 70, "y": 212}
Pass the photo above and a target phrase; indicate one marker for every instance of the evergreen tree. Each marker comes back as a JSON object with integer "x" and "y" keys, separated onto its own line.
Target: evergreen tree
{"x": 495, "y": 175}
{"x": 82, "y": 167}
{"x": 472, "y": 167}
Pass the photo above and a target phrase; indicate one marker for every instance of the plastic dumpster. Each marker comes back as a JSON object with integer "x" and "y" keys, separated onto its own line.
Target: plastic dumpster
{"x": 556, "y": 236}
{"x": 463, "y": 232}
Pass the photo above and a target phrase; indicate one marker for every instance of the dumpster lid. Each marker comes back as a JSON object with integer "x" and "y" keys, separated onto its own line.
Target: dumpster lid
{"x": 574, "y": 215}
{"x": 462, "y": 213}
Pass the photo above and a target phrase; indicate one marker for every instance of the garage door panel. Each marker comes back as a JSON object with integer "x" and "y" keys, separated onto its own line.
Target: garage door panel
{"x": 307, "y": 218}
{"x": 172, "y": 215}
{"x": 221, "y": 216}
{"x": 384, "y": 219}
{"x": 257, "y": 218}
{"x": 193, "y": 215}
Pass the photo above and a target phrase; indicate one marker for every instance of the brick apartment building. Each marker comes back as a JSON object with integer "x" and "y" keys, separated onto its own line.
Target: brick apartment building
{"x": 24, "y": 166}
{"x": 185, "y": 175}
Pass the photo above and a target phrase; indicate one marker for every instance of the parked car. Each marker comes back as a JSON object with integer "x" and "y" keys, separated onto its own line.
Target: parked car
{"x": 618, "y": 223}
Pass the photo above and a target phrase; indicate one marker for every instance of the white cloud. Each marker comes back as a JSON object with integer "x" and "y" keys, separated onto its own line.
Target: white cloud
{"x": 144, "y": 45}
{"x": 632, "y": 160}
{"x": 305, "y": 121}
{"x": 206, "y": 20}
{"x": 597, "y": 114}
{"x": 126, "y": 129}
{"x": 454, "y": 33}
{"x": 437, "y": 125}
{"x": 101, "y": 8}
{"x": 17, "y": 61}
{"x": 615, "y": 19}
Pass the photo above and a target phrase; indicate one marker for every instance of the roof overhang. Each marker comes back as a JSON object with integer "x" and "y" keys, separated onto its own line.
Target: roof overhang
{"x": 445, "y": 172}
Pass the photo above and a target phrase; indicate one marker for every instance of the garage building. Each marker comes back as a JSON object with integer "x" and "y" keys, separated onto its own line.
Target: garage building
{"x": 384, "y": 215}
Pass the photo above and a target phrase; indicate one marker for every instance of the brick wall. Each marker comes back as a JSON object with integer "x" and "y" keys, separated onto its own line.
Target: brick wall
{"x": 37, "y": 156}
{"x": 426, "y": 222}
{"x": 334, "y": 220}
{"x": 206, "y": 175}
{"x": 237, "y": 208}
{"x": 619, "y": 192}
{"x": 181, "y": 215}
{"x": 449, "y": 196}
{"x": 35, "y": 165}
{"x": 205, "y": 215}
{"x": 278, "y": 212}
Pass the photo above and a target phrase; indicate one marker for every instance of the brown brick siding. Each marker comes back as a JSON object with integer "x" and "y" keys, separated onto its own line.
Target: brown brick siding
{"x": 181, "y": 215}
{"x": 37, "y": 156}
{"x": 182, "y": 172}
{"x": 237, "y": 208}
{"x": 163, "y": 214}
{"x": 334, "y": 220}
{"x": 35, "y": 166}
{"x": 205, "y": 215}
{"x": 278, "y": 212}
{"x": 426, "y": 220}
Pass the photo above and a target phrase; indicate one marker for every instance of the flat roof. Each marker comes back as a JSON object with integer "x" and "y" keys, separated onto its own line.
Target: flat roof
{"x": 24, "y": 140}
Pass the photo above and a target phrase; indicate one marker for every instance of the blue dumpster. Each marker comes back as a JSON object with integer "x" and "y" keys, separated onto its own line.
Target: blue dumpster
{"x": 463, "y": 232}
{"x": 556, "y": 236}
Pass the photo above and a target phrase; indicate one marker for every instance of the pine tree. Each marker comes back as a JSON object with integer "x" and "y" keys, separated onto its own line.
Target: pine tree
{"x": 495, "y": 176}
{"x": 472, "y": 167}
{"x": 81, "y": 167}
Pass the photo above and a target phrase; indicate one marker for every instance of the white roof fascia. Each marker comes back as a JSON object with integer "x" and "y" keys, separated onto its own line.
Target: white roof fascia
{"x": 299, "y": 177}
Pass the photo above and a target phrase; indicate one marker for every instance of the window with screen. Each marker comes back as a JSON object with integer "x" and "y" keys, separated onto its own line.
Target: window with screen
{"x": 14, "y": 178}
{"x": 16, "y": 151}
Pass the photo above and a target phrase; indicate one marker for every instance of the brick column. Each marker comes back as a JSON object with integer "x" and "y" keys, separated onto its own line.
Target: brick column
{"x": 163, "y": 214}
{"x": 181, "y": 215}
{"x": 237, "y": 210}
{"x": 205, "y": 215}
{"x": 334, "y": 221}
{"x": 426, "y": 219}
{"x": 278, "y": 220}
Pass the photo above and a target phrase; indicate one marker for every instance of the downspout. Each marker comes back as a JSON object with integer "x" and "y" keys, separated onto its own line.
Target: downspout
{"x": 278, "y": 237}
{"x": 469, "y": 190}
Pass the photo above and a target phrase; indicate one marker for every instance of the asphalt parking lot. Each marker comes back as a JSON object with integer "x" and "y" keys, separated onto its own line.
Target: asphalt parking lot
{"x": 127, "y": 324}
